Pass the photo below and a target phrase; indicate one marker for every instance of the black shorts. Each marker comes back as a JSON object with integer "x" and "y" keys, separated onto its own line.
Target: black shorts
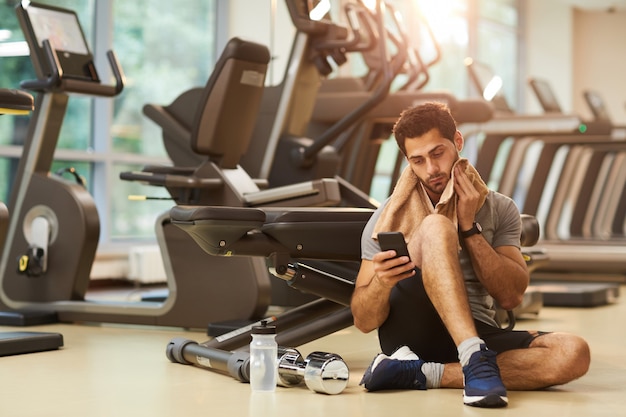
{"x": 414, "y": 322}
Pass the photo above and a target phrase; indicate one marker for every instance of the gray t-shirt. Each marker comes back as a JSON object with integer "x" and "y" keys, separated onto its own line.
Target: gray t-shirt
{"x": 501, "y": 226}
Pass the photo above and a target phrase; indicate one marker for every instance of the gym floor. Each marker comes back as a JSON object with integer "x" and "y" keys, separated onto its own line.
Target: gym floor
{"x": 121, "y": 370}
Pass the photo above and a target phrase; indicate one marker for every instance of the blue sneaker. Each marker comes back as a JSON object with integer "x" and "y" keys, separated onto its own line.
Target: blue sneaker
{"x": 401, "y": 370}
{"x": 483, "y": 385}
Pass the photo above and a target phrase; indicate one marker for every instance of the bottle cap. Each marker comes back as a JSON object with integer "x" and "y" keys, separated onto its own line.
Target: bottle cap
{"x": 264, "y": 328}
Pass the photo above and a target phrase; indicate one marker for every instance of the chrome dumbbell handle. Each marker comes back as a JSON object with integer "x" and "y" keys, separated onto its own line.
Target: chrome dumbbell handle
{"x": 290, "y": 362}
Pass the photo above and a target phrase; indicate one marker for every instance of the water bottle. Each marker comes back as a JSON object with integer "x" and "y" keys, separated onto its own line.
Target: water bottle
{"x": 263, "y": 358}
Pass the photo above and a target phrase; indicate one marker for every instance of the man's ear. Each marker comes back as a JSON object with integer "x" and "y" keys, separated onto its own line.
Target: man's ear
{"x": 458, "y": 141}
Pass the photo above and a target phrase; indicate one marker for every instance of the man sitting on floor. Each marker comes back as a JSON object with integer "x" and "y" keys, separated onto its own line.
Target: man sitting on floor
{"x": 464, "y": 245}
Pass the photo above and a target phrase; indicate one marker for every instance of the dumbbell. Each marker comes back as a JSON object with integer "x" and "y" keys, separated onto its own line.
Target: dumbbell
{"x": 322, "y": 372}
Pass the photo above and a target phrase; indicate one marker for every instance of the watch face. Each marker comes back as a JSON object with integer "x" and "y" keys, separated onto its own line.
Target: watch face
{"x": 478, "y": 227}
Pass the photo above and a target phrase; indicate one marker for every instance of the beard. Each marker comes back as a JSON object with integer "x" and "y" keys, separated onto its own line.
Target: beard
{"x": 437, "y": 183}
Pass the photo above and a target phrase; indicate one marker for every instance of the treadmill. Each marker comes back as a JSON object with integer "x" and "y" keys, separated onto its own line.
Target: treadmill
{"x": 598, "y": 108}
{"x": 536, "y": 147}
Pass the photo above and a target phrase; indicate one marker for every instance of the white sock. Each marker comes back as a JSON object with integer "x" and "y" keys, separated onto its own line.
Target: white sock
{"x": 468, "y": 347}
{"x": 433, "y": 371}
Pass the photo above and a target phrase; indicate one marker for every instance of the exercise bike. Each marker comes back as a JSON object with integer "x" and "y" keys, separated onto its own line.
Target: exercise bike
{"x": 12, "y": 343}
{"x": 54, "y": 228}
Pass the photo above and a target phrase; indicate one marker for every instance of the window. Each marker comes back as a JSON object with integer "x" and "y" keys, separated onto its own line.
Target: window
{"x": 486, "y": 30}
{"x": 164, "y": 50}
{"x": 497, "y": 42}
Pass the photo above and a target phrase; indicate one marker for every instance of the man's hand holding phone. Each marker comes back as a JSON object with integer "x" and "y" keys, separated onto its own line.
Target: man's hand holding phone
{"x": 391, "y": 268}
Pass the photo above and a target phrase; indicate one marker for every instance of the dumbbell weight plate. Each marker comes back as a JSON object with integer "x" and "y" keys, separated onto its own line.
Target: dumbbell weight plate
{"x": 326, "y": 373}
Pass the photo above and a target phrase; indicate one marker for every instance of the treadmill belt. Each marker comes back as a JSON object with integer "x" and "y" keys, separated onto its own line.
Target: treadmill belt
{"x": 16, "y": 343}
{"x": 577, "y": 294}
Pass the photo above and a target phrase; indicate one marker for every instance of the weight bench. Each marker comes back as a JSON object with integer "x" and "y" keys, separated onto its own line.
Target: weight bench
{"x": 301, "y": 246}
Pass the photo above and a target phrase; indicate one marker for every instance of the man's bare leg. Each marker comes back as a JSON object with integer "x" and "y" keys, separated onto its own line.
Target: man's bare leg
{"x": 437, "y": 244}
{"x": 435, "y": 251}
{"x": 551, "y": 359}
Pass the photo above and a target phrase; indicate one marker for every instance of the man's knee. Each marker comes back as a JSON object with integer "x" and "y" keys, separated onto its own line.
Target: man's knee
{"x": 436, "y": 232}
{"x": 570, "y": 354}
{"x": 580, "y": 355}
{"x": 437, "y": 225}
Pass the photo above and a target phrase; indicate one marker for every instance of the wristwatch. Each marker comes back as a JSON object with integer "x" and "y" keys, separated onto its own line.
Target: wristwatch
{"x": 475, "y": 230}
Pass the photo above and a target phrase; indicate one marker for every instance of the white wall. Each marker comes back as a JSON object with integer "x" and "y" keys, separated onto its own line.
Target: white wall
{"x": 549, "y": 53}
{"x": 576, "y": 50}
{"x": 600, "y": 61}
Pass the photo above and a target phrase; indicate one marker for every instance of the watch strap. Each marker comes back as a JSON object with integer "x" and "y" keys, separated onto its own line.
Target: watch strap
{"x": 475, "y": 230}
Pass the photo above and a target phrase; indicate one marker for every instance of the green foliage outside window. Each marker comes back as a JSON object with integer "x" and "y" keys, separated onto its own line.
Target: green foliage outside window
{"x": 164, "y": 50}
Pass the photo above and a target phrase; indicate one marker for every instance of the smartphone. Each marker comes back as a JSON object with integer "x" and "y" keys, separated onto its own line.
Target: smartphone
{"x": 395, "y": 241}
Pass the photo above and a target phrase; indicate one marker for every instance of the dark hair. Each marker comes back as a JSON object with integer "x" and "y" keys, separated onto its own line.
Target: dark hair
{"x": 421, "y": 119}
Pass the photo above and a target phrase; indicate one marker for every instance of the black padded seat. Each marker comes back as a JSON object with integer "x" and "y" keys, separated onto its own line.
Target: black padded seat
{"x": 225, "y": 131}
{"x": 316, "y": 214}
{"x": 216, "y": 120}
{"x": 307, "y": 233}
{"x": 218, "y": 213}
{"x": 216, "y": 228}
{"x": 320, "y": 234}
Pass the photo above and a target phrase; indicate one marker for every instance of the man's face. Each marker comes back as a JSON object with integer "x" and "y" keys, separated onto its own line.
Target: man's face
{"x": 431, "y": 157}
